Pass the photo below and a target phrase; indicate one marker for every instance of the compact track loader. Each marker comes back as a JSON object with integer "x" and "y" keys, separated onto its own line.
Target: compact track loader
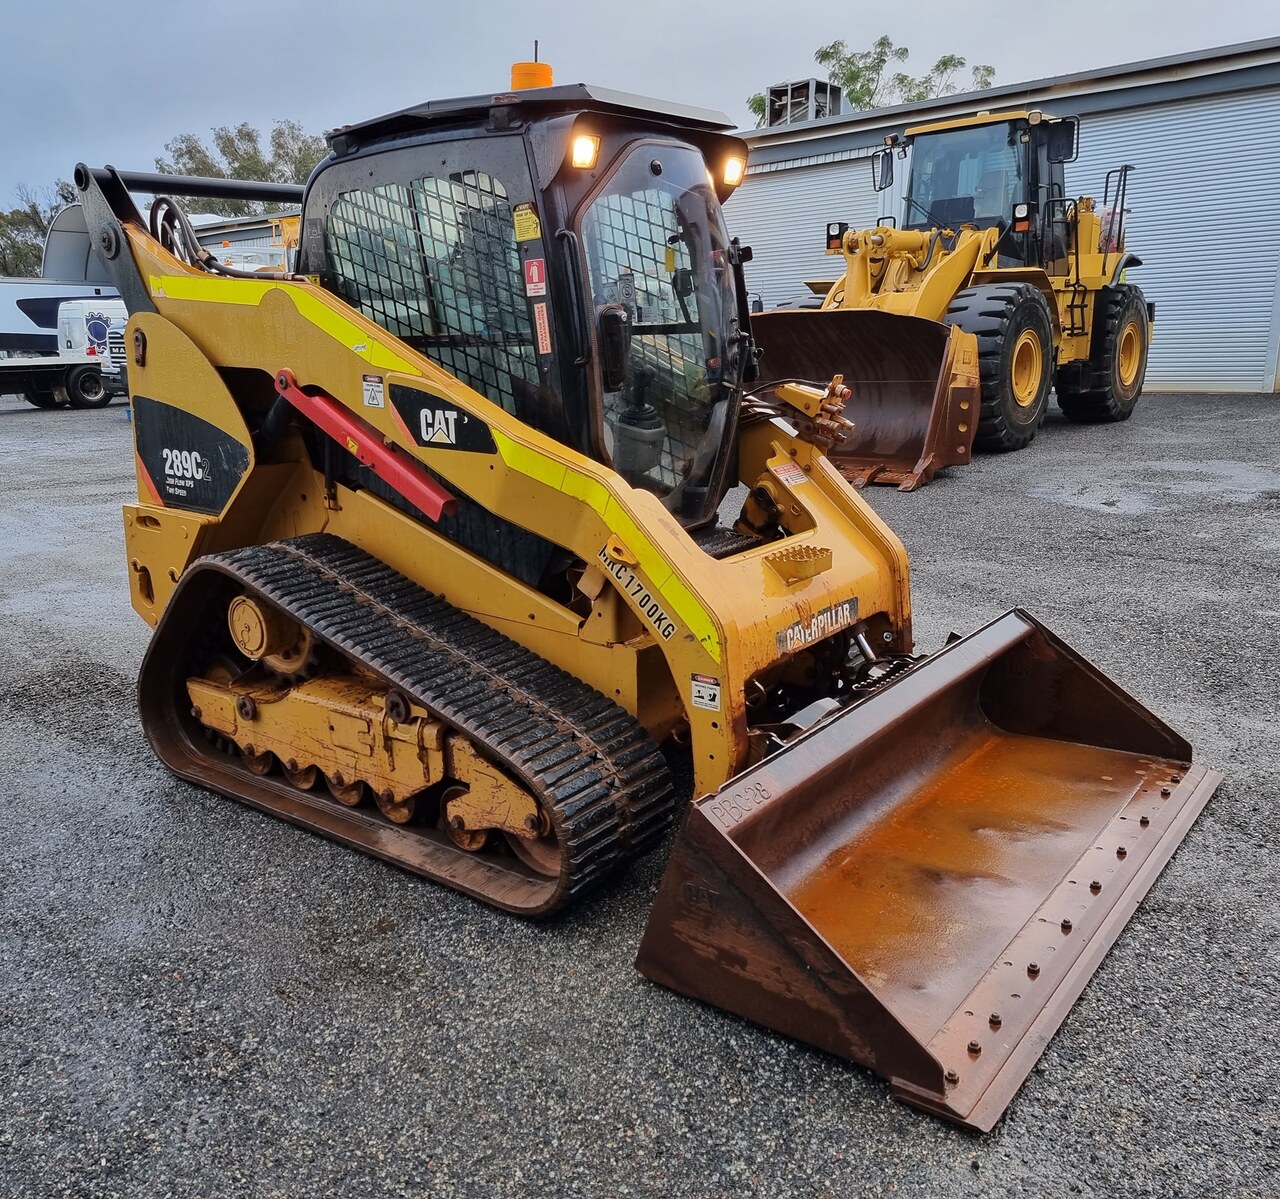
{"x": 951, "y": 330}
{"x": 430, "y": 535}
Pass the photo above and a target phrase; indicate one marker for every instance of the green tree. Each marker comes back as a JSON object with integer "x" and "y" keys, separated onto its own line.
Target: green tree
{"x": 238, "y": 153}
{"x": 863, "y": 76}
{"x": 23, "y": 228}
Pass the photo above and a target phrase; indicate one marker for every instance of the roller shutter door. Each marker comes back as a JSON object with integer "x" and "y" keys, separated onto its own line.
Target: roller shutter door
{"x": 782, "y": 215}
{"x": 1204, "y": 213}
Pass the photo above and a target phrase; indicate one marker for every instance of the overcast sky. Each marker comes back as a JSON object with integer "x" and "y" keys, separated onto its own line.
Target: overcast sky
{"x": 113, "y": 80}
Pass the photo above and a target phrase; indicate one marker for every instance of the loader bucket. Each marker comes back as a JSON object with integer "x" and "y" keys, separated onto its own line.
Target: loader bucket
{"x": 914, "y": 383}
{"x": 925, "y": 882}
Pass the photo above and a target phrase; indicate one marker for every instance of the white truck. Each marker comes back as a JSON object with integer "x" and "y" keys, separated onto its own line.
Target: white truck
{"x": 82, "y": 364}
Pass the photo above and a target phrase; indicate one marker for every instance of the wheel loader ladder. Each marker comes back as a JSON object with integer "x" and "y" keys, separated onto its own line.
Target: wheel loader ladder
{"x": 1076, "y": 310}
{"x": 1077, "y": 307}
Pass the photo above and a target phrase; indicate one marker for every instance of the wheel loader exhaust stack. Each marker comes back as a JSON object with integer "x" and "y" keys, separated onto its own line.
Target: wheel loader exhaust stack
{"x": 429, "y": 531}
{"x": 1031, "y": 284}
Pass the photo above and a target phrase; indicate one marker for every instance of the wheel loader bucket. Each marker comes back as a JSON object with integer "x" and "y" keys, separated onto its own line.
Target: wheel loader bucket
{"x": 925, "y": 881}
{"x": 914, "y": 384}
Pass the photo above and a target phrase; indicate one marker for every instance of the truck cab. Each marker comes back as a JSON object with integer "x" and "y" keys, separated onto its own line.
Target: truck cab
{"x": 95, "y": 329}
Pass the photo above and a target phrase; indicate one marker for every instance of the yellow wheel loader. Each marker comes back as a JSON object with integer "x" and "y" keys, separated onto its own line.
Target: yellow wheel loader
{"x": 994, "y": 268}
{"x": 458, "y": 535}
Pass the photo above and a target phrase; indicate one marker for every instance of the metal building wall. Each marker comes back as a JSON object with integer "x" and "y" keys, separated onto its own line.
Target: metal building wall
{"x": 1203, "y": 216}
{"x": 782, "y": 215}
{"x": 1217, "y": 310}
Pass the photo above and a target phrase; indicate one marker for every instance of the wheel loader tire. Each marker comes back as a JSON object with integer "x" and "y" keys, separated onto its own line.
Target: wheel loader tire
{"x": 86, "y": 389}
{"x": 1015, "y": 359}
{"x": 41, "y": 399}
{"x": 1117, "y": 366}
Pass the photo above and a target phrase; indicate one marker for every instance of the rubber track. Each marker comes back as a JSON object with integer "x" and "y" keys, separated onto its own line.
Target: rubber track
{"x": 600, "y": 777}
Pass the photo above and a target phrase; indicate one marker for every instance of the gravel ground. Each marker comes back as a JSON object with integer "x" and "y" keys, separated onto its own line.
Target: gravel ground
{"x": 196, "y": 999}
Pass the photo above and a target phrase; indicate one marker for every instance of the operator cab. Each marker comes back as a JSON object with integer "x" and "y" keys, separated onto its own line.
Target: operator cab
{"x": 995, "y": 170}
{"x": 562, "y": 251}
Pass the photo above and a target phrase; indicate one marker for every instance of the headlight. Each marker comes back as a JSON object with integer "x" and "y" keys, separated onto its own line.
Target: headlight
{"x": 584, "y": 151}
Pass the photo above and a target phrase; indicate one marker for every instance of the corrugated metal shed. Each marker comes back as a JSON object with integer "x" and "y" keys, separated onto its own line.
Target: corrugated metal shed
{"x": 1203, "y": 133}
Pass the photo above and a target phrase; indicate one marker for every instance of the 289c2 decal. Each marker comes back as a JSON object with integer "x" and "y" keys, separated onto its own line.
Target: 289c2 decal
{"x": 185, "y": 464}
{"x": 188, "y": 462}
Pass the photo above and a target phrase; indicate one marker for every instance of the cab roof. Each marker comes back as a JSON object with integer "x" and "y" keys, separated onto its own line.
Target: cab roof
{"x": 535, "y": 103}
{"x": 982, "y": 118}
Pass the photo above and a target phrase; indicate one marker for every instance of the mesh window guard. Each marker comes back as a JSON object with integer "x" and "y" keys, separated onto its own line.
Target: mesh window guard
{"x": 437, "y": 264}
{"x": 633, "y": 249}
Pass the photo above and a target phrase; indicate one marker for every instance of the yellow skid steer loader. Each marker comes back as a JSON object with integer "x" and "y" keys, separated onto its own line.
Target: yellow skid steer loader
{"x": 429, "y": 532}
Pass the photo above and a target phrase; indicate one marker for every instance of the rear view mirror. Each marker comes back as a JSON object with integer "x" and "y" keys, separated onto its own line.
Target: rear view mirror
{"x": 1061, "y": 140}
{"x": 882, "y": 169}
{"x": 615, "y": 341}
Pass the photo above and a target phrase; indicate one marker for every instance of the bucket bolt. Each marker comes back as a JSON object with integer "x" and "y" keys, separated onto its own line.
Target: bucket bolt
{"x": 1146, "y": 820}
{"x": 1165, "y": 792}
{"x": 1121, "y": 852}
{"x": 953, "y": 1078}
{"x": 1033, "y": 968}
{"x": 1095, "y": 886}
{"x": 994, "y": 1020}
{"x": 975, "y": 1048}
{"x": 1066, "y": 926}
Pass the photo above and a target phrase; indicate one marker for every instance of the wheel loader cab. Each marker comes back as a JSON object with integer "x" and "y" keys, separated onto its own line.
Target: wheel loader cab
{"x": 981, "y": 174}
{"x": 562, "y": 251}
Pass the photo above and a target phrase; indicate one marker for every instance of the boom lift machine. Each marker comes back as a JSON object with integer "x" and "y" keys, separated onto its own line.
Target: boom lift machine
{"x": 429, "y": 533}
{"x": 952, "y": 329}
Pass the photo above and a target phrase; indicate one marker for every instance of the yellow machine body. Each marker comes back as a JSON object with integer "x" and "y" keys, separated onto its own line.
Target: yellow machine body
{"x": 664, "y": 614}
{"x": 341, "y": 638}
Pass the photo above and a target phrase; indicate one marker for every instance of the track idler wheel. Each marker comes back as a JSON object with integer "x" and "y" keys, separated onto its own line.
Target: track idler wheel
{"x": 258, "y": 763}
{"x": 398, "y": 811}
{"x": 302, "y": 777}
{"x": 265, "y": 634}
{"x": 540, "y": 853}
{"x": 345, "y": 792}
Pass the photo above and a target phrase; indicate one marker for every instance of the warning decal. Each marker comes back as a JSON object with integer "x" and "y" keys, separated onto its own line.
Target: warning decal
{"x": 527, "y": 225}
{"x": 790, "y": 473}
{"x": 543, "y": 328}
{"x": 535, "y": 277}
{"x": 705, "y": 692}
{"x": 375, "y": 394}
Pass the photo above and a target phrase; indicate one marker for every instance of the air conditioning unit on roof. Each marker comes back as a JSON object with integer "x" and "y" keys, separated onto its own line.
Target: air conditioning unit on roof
{"x": 805, "y": 100}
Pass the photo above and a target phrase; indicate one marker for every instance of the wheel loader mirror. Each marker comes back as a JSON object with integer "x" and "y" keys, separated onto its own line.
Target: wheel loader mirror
{"x": 1062, "y": 138}
{"x": 615, "y": 340}
{"x": 882, "y": 169}
{"x": 682, "y": 281}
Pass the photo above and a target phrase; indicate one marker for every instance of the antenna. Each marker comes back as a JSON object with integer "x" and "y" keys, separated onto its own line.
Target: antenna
{"x": 535, "y": 49}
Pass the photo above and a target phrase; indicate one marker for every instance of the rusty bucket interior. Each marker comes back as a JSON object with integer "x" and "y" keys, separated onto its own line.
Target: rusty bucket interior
{"x": 914, "y": 384}
{"x": 925, "y": 882}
